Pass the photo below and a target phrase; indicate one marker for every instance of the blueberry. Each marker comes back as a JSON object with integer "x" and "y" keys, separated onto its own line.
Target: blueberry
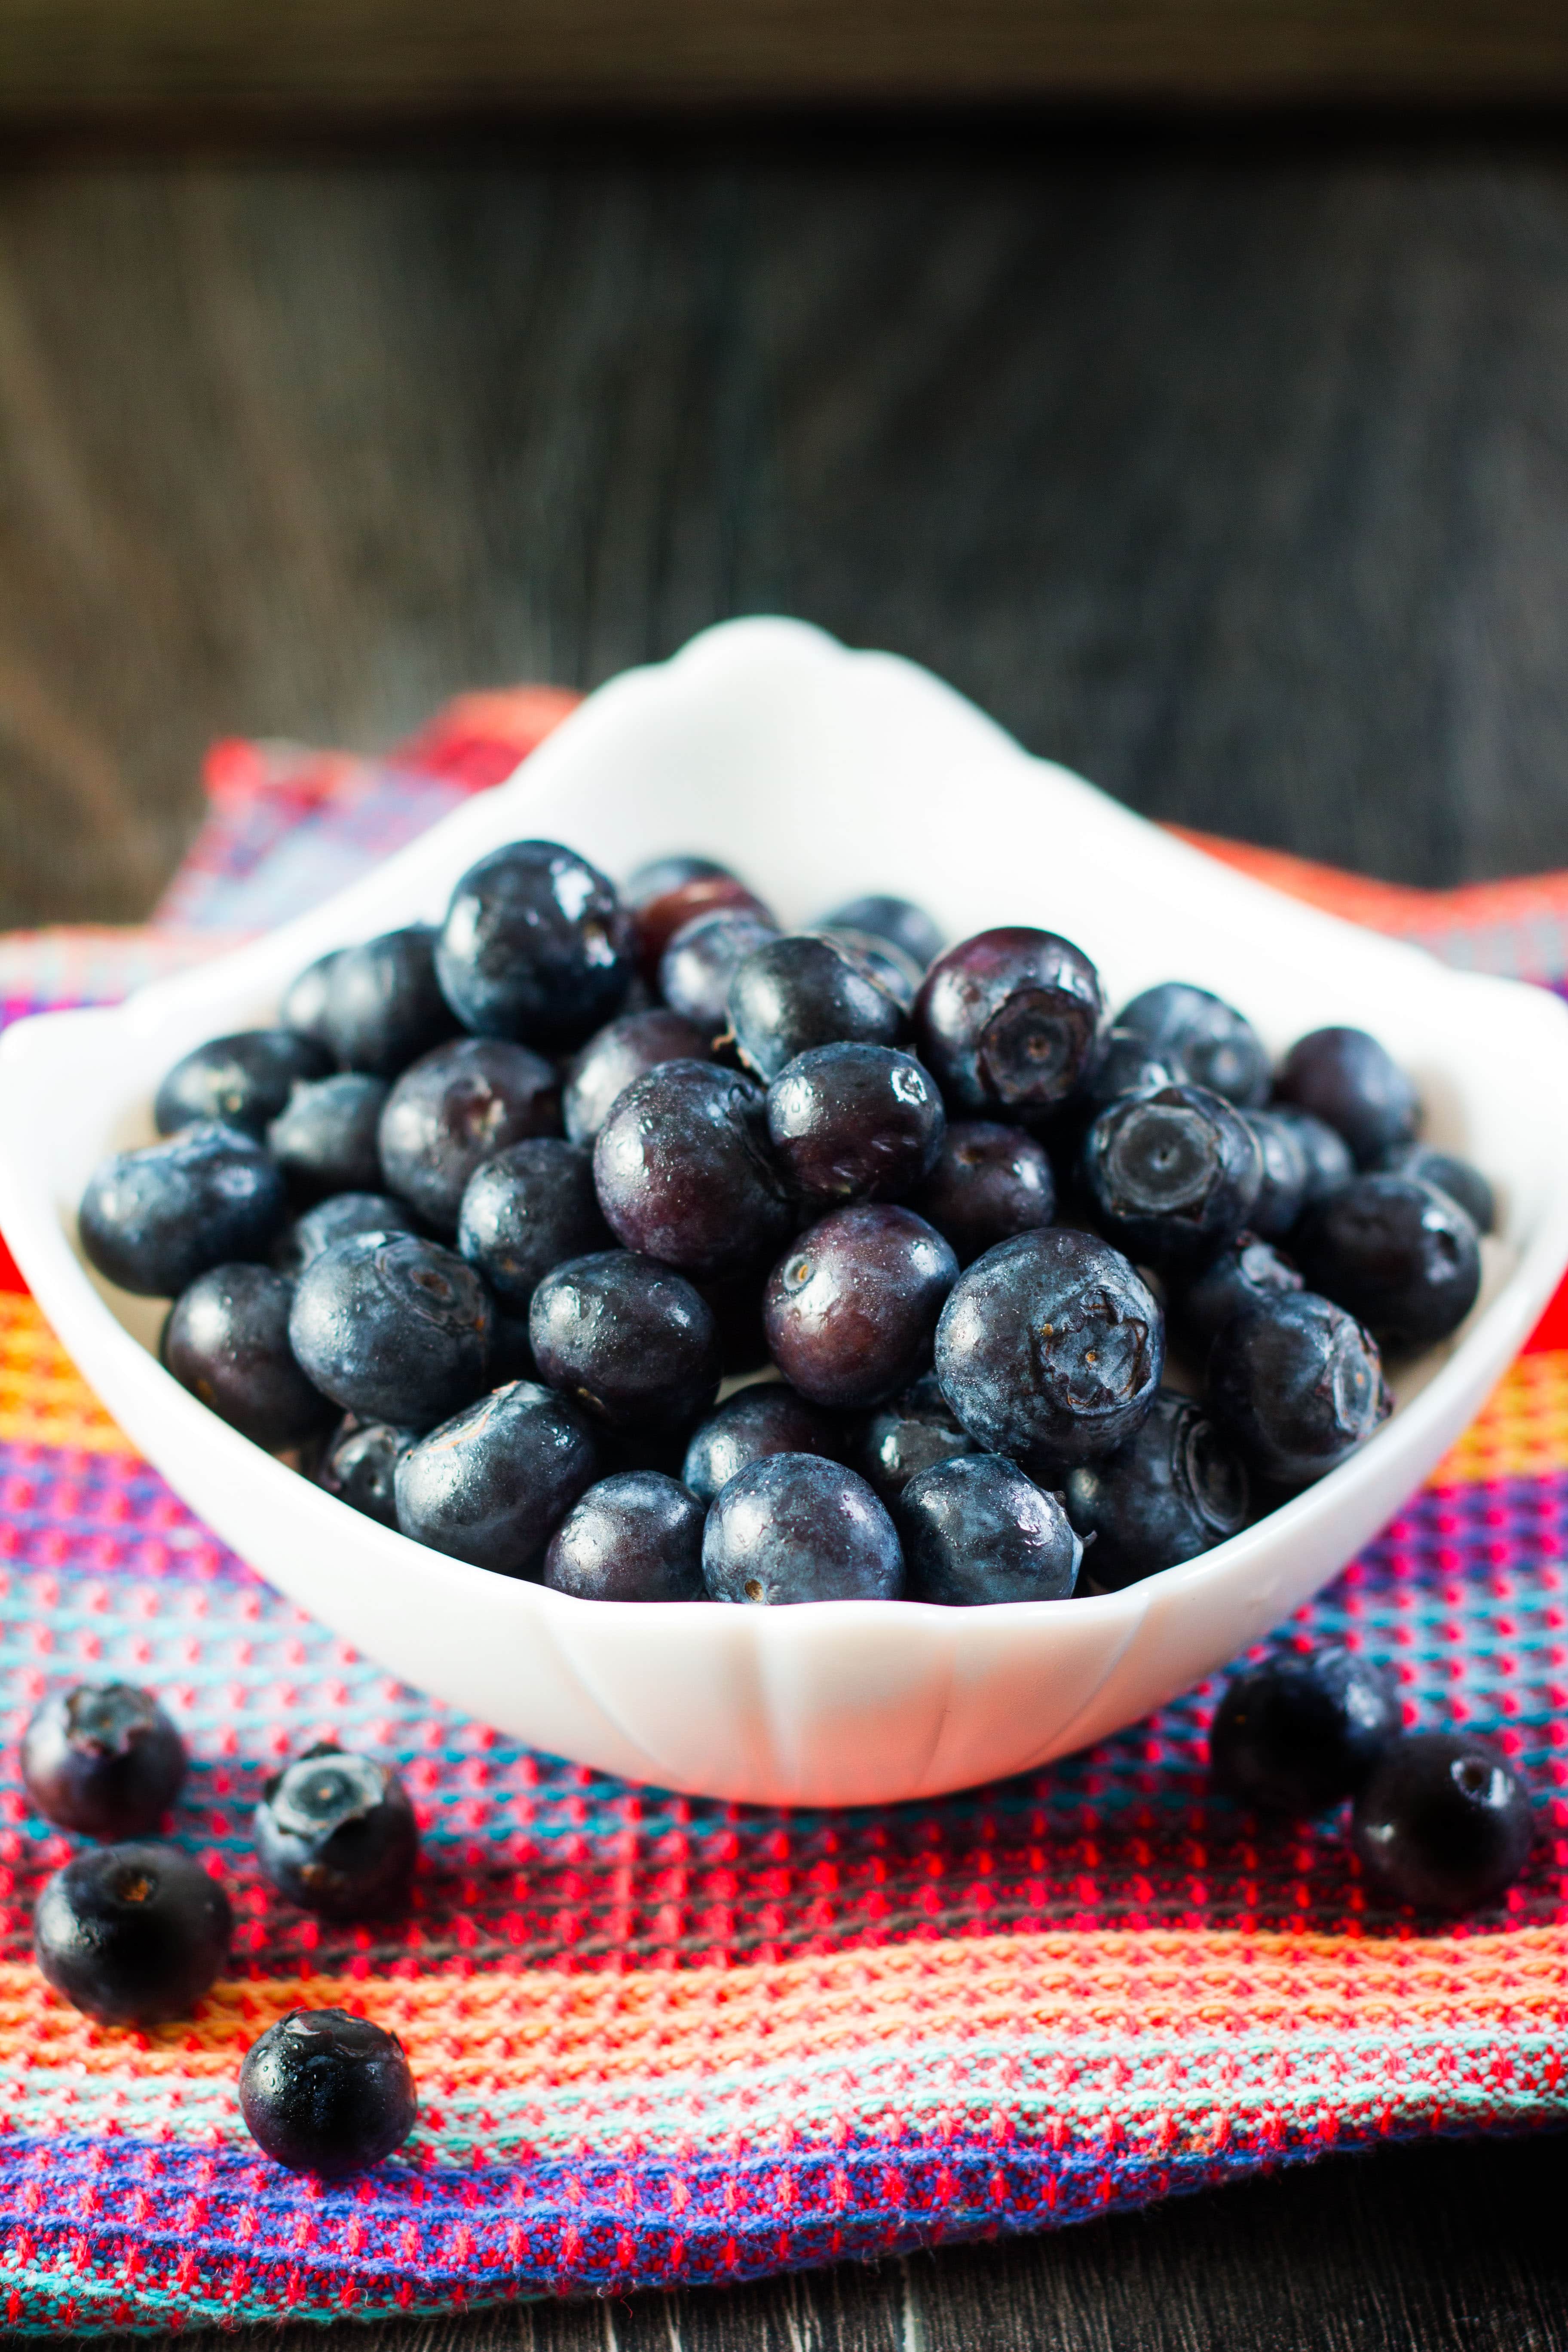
{"x": 325, "y": 2093}
{"x": 1248, "y": 1274}
{"x": 914, "y": 1432}
{"x": 1050, "y": 1348}
{"x": 525, "y": 1210}
{"x": 748, "y": 1427}
{"x": 976, "y": 1531}
{"x": 899, "y": 921}
{"x": 683, "y": 1172}
{"x": 670, "y": 892}
{"x": 536, "y": 946}
{"x": 851, "y": 1306}
{"x": 1172, "y": 1176}
{"x": 456, "y": 1107}
{"x": 1175, "y": 1488}
{"x": 892, "y": 970}
{"x": 1345, "y": 1078}
{"x": 154, "y": 1219}
{"x": 336, "y": 1833}
{"x": 492, "y": 1485}
{"x": 1129, "y": 1065}
{"x": 304, "y": 1005}
{"x": 385, "y": 1005}
{"x": 132, "y": 1934}
{"x": 629, "y": 1339}
{"x": 393, "y": 1327}
{"x": 334, "y": 1221}
{"x": 324, "y": 1138}
{"x": 1011, "y": 1019}
{"x": 1299, "y": 1385}
{"x": 241, "y": 1081}
{"x": 227, "y": 1340}
{"x": 637, "y": 1537}
{"x": 1216, "y": 1046}
{"x": 360, "y": 1464}
{"x": 609, "y": 1062}
{"x": 1327, "y": 1154}
{"x": 1397, "y": 1253}
{"x": 796, "y": 1527}
{"x": 851, "y": 1122}
{"x": 986, "y": 1184}
{"x": 1282, "y": 1194}
{"x": 102, "y": 1759}
{"x": 1450, "y": 1175}
{"x": 702, "y": 959}
{"x": 800, "y": 991}
{"x": 1302, "y": 1730}
{"x": 1444, "y": 1822}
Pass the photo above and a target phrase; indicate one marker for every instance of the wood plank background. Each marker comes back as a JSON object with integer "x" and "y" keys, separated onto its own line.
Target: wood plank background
{"x": 383, "y": 60}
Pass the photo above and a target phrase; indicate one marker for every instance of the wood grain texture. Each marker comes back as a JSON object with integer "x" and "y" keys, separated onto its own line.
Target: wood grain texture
{"x": 1238, "y": 478}
{"x": 260, "y": 60}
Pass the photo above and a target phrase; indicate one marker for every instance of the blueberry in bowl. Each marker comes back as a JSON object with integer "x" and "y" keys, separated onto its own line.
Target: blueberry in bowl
{"x": 855, "y": 1122}
{"x": 1010, "y": 1023}
{"x": 492, "y": 1485}
{"x": 392, "y": 1326}
{"x": 909, "y": 1434}
{"x": 634, "y": 1537}
{"x": 227, "y": 1340}
{"x": 850, "y": 1309}
{"x": 1397, "y": 1252}
{"x": 1167, "y": 1493}
{"x": 803, "y": 990}
{"x": 1215, "y": 1045}
{"x": 154, "y": 1219}
{"x": 456, "y": 1107}
{"x": 629, "y": 1339}
{"x": 1173, "y": 1176}
{"x": 241, "y": 1081}
{"x": 986, "y": 1184}
{"x": 770, "y": 1418}
{"x": 796, "y": 1527}
{"x": 683, "y": 1172}
{"x": 976, "y": 1531}
{"x": 536, "y": 946}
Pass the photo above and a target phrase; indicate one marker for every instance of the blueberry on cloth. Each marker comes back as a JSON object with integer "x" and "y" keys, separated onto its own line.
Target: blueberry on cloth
{"x": 103, "y": 1759}
{"x": 1302, "y": 1730}
{"x": 392, "y": 1326}
{"x": 1173, "y": 1489}
{"x": 771, "y": 1418}
{"x": 796, "y": 1527}
{"x": 974, "y": 1531}
{"x": 634, "y": 1537}
{"x": 227, "y": 1340}
{"x": 132, "y": 1934}
{"x": 851, "y": 1306}
{"x": 1050, "y": 1348}
{"x": 1011, "y": 1021}
{"x": 536, "y": 947}
{"x": 325, "y": 2093}
{"x": 1444, "y": 1822}
{"x": 492, "y": 1485}
{"x": 336, "y": 1834}
{"x": 455, "y": 1108}
{"x": 241, "y": 1081}
{"x": 153, "y": 1220}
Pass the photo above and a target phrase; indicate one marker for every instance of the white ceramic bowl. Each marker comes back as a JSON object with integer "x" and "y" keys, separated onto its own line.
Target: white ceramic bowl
{"x": 817, "y": 772}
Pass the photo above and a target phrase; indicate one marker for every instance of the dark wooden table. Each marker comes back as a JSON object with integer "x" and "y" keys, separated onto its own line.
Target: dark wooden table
{"x": 1232, "y": 469}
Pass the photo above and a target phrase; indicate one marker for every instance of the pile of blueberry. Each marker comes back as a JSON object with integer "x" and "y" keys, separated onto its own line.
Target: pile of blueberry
{"x": 133, "y": 1932}
{"x": 508, "y": 1199}
{"x": 1439, "y": 1818}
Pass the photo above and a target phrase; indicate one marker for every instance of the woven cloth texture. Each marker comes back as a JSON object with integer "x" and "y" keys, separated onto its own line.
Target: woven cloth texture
{"x": 659, "y": 2039}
